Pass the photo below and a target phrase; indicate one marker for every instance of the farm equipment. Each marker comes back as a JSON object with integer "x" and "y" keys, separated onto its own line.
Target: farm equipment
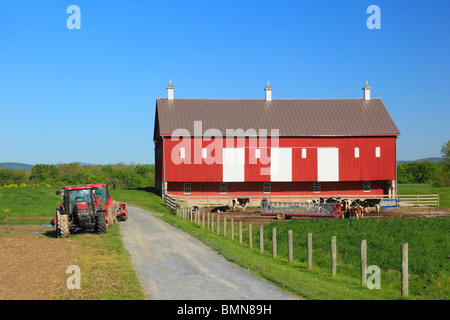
{"x": 287, "y": 210}
{"x": 115, "y": 210}
{"x": 331, "y": 207}
{"x": 80, "y": 210}
{"x": 121, "y": 212}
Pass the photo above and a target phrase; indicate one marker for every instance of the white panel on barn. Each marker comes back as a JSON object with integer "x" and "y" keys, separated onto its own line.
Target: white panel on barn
{"x": 233, "y": 165}
{"x": 281, "y": 164}
{"x": 327, "y": 164}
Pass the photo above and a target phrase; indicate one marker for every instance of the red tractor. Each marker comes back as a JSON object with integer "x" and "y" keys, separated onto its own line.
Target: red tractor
{"x": 80, "y": 210}
{"x": 114, "y": 210}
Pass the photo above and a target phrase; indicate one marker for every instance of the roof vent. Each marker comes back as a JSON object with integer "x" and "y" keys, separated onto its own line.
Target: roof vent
{"x": 170, "y": 88}
{"x": 268, "y": 90}
{"x": 366, "y": 89}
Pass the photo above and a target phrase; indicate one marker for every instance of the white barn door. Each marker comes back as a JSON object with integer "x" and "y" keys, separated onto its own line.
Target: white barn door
{"x": 281, "y": 164}
{"x": 233, "y": 166}
{"x": 327, "y": 164}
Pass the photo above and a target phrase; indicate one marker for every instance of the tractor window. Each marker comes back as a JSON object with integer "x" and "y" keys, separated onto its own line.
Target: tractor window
{"x": 80, "y": 196}
{"x": 103, "y": 193}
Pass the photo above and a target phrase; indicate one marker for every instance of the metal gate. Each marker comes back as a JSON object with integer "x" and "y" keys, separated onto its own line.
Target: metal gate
{"x": 292, "y": 209}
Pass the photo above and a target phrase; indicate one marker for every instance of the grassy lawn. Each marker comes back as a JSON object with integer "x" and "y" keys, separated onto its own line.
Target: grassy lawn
{"x": 424, "y": 188}
{"x": 28, "y": 202}
{"x": 142, "y": 198}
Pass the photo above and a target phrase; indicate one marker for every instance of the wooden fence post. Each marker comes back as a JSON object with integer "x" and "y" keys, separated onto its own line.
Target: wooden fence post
{"x": 309, "y": 250}
{"x": 203, "y": 220}
{"x": 212, "y": 222}
{"x": 250, "y": 235}
{"x": 274, "y": 242}
{"x": 208, "y": 219}
{"x": 225, "y": 226}
{"x": 218, "y": 224}
{"x": 240, "y": 231}
{"x": 363, "y": 262}
{"x": 261, "y": 239}
{"x": 333, "y": 256}
{"x": 290, "y": 247}
{"x": 405, "y": 273}
{"x": 232, "y": 229}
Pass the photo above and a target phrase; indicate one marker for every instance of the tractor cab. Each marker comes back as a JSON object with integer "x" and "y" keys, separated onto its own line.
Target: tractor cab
{"x": 81, "y": 209}
{"x": 101, "y": 193}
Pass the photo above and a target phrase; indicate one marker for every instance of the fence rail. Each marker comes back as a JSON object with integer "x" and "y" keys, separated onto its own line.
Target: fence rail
{"x": 420, "y": 199}
{"x": 255, "y": 201}
{"x": 170, "y": 202}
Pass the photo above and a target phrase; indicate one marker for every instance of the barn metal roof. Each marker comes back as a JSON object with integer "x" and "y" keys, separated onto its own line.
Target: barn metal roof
{"x": 293, "y": 117}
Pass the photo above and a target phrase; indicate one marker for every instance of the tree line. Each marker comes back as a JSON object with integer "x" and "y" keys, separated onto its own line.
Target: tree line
{"x": 438, "y": 174}
{"x": 118, "y": 175}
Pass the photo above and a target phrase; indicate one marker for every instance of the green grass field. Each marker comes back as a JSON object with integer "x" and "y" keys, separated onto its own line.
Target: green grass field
{"x": 423, "y": 188}
{"x": 27, "y": 202}
{"x": 142, "y": 198}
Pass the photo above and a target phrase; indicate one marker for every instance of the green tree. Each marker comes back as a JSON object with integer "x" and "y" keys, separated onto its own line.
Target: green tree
{"x": 441, "y": 177}
{"x": 44, "y": 173}
{"x": 403, "y": 175}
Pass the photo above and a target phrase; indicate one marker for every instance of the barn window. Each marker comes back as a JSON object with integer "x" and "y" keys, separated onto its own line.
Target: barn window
{"x": 257, "y": 153}
{"x": 182, "y": 153}
{"x": 377, "y": 152}
{"x": 366, "y": 187}
{"x": 316, "y": 187}
{"x": 356, "y": 152}
{"x": 187, "y": 188}
{"x": 204, "y": 153}
{"x": 223, "y": 188}
{"x": 304, "y": 153}
{"x": 266, "y": 187}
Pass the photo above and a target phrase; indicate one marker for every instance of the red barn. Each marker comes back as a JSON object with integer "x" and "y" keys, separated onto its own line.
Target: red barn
{"x": 240, "y": 147}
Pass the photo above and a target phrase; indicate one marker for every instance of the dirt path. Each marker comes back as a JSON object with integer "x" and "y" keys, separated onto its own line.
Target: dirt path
{"x": 173, "y": 265}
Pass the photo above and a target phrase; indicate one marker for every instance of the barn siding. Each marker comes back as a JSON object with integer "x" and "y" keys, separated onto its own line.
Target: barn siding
{"x": 365, "y": 168}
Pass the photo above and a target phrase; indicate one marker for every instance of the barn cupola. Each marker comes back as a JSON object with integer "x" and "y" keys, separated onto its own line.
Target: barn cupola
{"x": 268, "y": 90}
{"x": 366, "y": 89}
{"x": 170, "y": 88}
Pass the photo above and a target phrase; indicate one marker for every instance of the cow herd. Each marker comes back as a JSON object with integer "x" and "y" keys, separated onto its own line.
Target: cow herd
{"x": 349, "y": 208}
{"x": 353, "y": 208}
{"x": 242, "y": 202}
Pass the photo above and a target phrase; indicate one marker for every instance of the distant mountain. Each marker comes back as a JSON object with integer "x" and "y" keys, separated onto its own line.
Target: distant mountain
{"x": 15, "y": 165}
{"x": 433, "y": 160}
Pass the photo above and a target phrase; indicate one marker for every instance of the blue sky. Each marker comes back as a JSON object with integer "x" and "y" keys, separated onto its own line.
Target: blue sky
{"x": 89, "y": 95}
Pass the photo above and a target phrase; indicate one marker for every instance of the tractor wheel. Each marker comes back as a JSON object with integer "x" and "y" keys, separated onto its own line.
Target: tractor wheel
{"x": 280, "y": 216}
{"x": 62, "y": 225}
{"x": 100, "y": 223}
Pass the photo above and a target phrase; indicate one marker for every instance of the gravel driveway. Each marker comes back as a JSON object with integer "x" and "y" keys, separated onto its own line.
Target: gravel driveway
{"x": 172, "y": 265}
